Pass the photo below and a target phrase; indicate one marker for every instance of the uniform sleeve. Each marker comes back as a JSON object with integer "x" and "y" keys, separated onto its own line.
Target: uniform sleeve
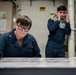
{"x": 67, "y": 28}
{"x": 36, "y": 49}
{"x": 52, "y": 25}
{"x": 2, "y": 45}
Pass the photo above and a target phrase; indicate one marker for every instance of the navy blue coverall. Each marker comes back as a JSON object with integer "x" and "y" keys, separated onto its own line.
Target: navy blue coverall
{"x": 55, "y": 43}
{"x": 9, "y": 46}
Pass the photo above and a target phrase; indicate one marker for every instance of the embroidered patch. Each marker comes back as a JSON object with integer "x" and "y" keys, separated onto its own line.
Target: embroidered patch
{"x": 30, "y": 46}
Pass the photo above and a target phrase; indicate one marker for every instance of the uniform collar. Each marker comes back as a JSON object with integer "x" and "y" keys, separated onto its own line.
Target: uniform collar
{"x": 13, "y": 39}
{"x": 26, "y": 39}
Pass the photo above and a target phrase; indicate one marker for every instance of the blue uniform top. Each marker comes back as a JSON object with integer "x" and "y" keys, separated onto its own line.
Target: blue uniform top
{"x": 58, "y": 30}
{"x": 9, "y": 46}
